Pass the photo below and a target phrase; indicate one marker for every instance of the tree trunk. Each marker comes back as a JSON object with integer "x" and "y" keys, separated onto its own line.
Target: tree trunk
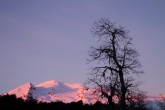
{"x": 123, "y": 91}
{"x": 111, "y": 103}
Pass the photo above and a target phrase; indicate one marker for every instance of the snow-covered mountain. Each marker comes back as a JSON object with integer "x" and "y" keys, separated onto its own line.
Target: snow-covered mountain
{"x": 52, "y": 90}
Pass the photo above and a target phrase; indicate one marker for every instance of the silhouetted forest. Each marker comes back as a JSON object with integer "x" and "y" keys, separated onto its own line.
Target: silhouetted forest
{"x": 10, "y": 102}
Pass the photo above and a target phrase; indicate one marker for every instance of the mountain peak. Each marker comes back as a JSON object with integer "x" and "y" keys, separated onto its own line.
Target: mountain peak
{"x": 23, "y": 91}
{"x": 48, "y": 84}
{"x": 28, "y": 84}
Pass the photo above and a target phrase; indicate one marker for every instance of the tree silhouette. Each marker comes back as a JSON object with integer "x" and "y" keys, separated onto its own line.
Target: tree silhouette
{"x": 117, "y": 61}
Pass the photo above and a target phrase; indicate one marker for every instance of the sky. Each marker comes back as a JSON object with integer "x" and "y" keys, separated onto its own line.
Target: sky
{"x": 43, "y": 40}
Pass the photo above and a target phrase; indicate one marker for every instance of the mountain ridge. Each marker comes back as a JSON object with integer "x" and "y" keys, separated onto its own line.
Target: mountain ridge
{"x": 52, "y": 91}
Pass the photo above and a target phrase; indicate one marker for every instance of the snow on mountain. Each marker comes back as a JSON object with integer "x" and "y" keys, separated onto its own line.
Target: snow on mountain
{"x": 54, "y": 91}
{"x": 23, "y": 91}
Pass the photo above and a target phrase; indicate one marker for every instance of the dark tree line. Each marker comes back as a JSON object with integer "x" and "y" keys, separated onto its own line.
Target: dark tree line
{"x": 114, "y": 76}
{"x": 10, "y": 102}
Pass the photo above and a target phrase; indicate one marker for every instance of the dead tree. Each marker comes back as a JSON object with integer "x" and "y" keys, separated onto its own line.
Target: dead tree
{"x": 115, "y": 57}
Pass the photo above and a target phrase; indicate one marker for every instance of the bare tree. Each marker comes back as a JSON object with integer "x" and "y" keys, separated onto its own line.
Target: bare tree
{"x": 117, "y": 60}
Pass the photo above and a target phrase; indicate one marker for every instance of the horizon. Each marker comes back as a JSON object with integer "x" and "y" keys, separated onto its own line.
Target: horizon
{"x": 41, "y": 40}
{"x": 63, "y": 87}
{"x": 149, "y": 96}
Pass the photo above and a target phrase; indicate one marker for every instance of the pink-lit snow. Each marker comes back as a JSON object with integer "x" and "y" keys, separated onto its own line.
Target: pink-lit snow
{"x": 52, "y": 90}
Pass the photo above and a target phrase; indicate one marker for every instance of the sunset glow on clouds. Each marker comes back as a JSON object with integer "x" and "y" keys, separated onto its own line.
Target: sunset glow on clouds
{"x": 44, "y": 40}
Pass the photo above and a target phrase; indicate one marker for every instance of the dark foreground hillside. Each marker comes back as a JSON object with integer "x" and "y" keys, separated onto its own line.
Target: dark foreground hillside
{"x": 10, "y": 102}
